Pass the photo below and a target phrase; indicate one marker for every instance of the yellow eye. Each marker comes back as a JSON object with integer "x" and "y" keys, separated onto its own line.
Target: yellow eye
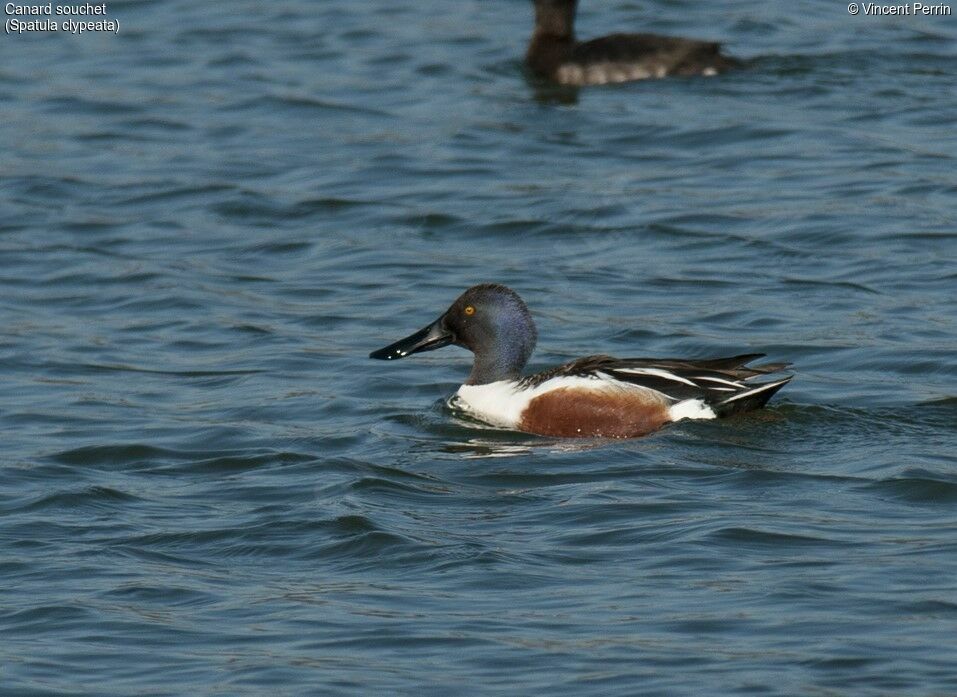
{"x": 469, "y": 310}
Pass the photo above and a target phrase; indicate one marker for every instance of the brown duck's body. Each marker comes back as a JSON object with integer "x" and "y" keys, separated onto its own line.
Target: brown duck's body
{"x": 554, "y": 54}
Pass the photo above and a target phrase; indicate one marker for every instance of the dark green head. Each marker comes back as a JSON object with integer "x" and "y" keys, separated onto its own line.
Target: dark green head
{"x": 491, "y": 321}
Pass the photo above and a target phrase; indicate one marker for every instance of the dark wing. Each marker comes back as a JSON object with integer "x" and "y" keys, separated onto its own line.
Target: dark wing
{"x": 720, "y": 382}
{"x": 676, "y": 55}
{"x": 580, "y": 367}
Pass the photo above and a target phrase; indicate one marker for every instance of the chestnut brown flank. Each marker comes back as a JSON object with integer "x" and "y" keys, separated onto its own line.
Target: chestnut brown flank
{"x": 570, "y": 411}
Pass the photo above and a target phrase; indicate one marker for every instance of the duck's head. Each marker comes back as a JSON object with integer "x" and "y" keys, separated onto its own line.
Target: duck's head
{"x": 489, "y": 320}
{"x": 555, "y": 17}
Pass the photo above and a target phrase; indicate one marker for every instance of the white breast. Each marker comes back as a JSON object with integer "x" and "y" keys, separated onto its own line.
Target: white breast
{"x": 497, "y": 403}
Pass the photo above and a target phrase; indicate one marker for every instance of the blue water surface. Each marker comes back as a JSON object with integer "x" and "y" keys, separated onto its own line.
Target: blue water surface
{"x": 211, "y": 217}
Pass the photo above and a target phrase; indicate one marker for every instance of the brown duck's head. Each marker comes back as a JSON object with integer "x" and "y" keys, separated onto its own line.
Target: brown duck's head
{"x": 555, "y": 17}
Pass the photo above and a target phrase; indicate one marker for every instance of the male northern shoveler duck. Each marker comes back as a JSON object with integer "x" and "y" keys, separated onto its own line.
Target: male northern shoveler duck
{"x": 554, "y": 54}
{"x": 597, "y": 396}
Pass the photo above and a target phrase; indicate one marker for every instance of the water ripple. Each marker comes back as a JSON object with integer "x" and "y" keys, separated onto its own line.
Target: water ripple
{"x": 201, "y": 245}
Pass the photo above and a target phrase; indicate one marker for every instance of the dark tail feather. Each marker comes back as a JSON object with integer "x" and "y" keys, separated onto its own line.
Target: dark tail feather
{"x": 770, "y": 367}
{"x": 754, "y": 398}
{"x": 724, "y": 363}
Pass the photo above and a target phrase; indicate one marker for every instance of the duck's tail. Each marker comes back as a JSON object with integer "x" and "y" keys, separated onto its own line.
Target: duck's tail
{"x": 753, "y": 398}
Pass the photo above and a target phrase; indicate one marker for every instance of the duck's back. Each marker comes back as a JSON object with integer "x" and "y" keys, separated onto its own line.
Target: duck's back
{"x": 626, "y": 57}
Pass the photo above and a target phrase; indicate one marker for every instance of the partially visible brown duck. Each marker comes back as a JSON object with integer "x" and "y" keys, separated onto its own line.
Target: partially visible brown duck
{"x": 554, "y": 54}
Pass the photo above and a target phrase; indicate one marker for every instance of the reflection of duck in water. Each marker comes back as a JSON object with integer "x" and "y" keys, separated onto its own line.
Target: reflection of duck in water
{"x": 554, "y": 54}
{"x": 592, "y": 396}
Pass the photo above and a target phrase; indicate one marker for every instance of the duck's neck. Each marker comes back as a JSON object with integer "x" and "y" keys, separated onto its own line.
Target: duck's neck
{"x": 553, "y": 37}
{"x": 504, "y": 361}
{"x": 488, "y": 369}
